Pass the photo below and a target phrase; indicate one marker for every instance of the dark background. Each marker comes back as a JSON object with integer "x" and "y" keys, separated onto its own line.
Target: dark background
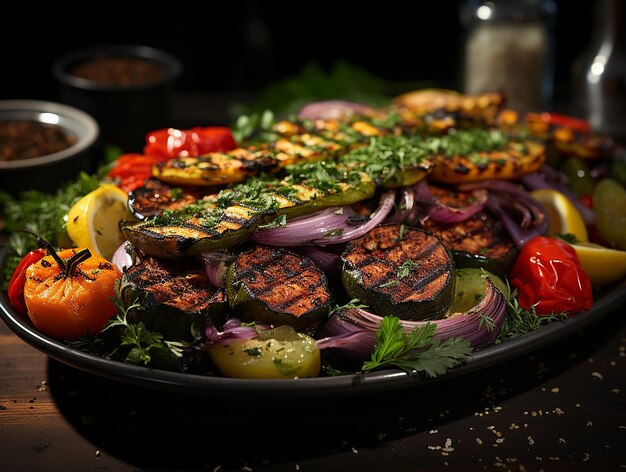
{"x": 242, "y": 46}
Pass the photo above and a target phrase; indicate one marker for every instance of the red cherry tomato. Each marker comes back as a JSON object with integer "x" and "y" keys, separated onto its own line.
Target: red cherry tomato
{"x": 548, "y": 275}
{"x": 166, "y": 143}
{"x": 15, "y": 290}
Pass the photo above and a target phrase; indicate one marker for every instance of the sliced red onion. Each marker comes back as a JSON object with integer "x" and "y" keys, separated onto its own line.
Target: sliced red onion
{"x": 233, "y": 330}
{"x": 386, "y": 204}
{"x": 334, "y": 110}
{"x": 447, "y": 214}
{"x": 422, "y": 193}
{"x": 122, "y": 257}
{"x": 302, "y": 230}
{"x": 443, "y": 213}
{"x": 216, "y": 265}
{"x": 328, "y": 262}
{"x": 354, "y": 330}
{"x": 404, "y": 208}
{"x": 329, "y": 226}
{"x": 507, "y": 198}
{"x": 355, "y": 342}
{"x": 548, "y": 177}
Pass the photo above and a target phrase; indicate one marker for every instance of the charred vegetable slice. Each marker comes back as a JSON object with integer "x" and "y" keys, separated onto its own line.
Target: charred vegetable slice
{"x": 227, "y": 219}
{"x": 478, "y": 154}
{"x": 276, "y": 287}
{"x": 177, "y": 298}
{"x": 219, "y": 168}
{"x": 216, "y": 168}
{"x": 155, "y": 196}
{"x": 192, "y": 230}
{"x": 480, "y": 241}
{"x": 400, "y": 271}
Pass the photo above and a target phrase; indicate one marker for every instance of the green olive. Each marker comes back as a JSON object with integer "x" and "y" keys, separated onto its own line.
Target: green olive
{"x": 579, "y": 176}
{"x": 609, "y": 203}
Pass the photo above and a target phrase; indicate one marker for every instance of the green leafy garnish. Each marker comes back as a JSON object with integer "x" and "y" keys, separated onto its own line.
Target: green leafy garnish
{"x": 278, "y": 222}
{"x": 520, "y": 321}
{"x": 568, "y": 238}
{"x": 41, "y": 213}
{"x": 134, "y": 343}
{"x": 419, "y": 351}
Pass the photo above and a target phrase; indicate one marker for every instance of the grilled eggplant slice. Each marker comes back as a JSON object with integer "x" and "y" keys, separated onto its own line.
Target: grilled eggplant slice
{"x": 177, "y": 298}
{"x": 277, "y": 287}
{"x": 400, "y": 271}
{"x": 478, "y": 242}
{"x": 155, "y": 196}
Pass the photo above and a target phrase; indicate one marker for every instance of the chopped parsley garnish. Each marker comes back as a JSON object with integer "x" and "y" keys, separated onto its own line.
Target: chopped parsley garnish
{"x": 403, "y": 272}
{"x": 419, "y": 351}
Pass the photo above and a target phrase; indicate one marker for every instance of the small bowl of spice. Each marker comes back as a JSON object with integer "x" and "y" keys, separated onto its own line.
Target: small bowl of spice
{"x": 127, "y": 88}
{"x": 43, "y": 144}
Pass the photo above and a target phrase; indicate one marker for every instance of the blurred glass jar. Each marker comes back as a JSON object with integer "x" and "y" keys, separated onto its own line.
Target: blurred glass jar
{"x": 599, "y": 73}
{"x": 509, "y": 47}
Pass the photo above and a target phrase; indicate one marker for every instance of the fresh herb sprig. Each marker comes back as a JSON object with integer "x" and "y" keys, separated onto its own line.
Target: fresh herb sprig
{"x": 419, "y": 351}
{"x": 134, "y": 343}
{"x": 41, "y": 213}
{"x": 520, "y": 321}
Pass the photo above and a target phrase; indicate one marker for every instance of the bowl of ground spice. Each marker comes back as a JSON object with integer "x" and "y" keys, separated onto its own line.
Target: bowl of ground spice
{"x": 127, "y": 88}
{"x": 43, "y": 144}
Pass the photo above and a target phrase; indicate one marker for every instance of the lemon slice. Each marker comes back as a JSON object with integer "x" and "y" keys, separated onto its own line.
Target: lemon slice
{"x": 563, "y": 215}
{"x": 93, "y": 221}
{"x": 602, "y": 264}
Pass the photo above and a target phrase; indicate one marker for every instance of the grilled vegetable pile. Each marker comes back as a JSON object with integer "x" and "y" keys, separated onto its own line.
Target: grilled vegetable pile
{"x": 351, "y": 239}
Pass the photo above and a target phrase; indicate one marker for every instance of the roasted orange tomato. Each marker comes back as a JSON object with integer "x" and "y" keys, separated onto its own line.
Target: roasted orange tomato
{"x": 68, "y": 294}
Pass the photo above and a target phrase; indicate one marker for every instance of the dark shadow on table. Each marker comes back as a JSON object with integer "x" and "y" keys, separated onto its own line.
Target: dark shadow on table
{"x": 156, "y": 429}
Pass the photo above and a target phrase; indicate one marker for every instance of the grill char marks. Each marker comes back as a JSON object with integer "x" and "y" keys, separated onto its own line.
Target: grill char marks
{"x": 274, "y": 286}
{"x": 479, "y": 241}
{"x": 406, "y": 273}
{"x": 180, "y": 284}
{"x": 178, "y": 299}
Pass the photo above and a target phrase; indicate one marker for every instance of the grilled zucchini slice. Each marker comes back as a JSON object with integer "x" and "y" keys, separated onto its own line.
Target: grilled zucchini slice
{"x": 400, "y": 271}
{"x": 177, "y": 298}
{"x": 277, "y": 287}
{"x": 192, "y": 230}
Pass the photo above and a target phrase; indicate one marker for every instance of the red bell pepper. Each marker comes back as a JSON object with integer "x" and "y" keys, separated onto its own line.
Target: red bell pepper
{"x": 131, "y": 170}
{"x": 167, "y": 143}
{"x": 15, "y": 290}
{"x": 566, "y": 121}
{"x": 548, "y": 275}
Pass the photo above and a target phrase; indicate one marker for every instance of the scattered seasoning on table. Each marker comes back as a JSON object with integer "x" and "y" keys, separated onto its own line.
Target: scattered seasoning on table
{"x": 25, "y": 139}
{"x": 123, "y": 71}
